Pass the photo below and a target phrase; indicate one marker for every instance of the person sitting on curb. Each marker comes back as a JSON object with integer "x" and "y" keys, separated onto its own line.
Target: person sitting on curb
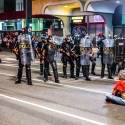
{"x": 118, "y": 93}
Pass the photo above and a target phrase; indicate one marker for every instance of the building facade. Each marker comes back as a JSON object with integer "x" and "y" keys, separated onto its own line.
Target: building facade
{"x": 93, "y": 16}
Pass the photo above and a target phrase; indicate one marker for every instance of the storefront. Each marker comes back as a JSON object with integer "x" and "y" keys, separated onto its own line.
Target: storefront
{"x": 119, "y": 21}
{"x": 40, "y": 23}
{"x": 88, "y": 24}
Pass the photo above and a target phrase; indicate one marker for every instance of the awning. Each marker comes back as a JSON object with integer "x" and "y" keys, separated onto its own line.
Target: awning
{"x": 22, "y": 15}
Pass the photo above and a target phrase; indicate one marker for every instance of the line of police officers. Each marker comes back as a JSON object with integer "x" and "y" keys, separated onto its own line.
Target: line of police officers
{"x": 78, "y": 55}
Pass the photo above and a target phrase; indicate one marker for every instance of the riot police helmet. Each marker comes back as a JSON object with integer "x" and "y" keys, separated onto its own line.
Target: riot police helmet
{"x": 25, "y": 30}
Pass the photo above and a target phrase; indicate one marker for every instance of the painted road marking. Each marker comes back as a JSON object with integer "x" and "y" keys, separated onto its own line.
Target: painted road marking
{"x": 53, "y": 110}
{"x": 67, "y": 86}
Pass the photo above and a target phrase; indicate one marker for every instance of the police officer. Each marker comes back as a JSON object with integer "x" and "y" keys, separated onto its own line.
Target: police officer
{"x": 67, "y": 56}
{"x": 25, "y": 55}
{"x": 77, "y": 54}
{"x": 76, "y": 38}
{"x": 39, "y": 49}
{"x": 107, "y": 56}
{"x": 49, "y": 58}
{"x": 85, "y": 45}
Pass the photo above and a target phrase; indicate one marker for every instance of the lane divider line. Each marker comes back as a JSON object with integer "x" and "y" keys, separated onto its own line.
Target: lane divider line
{"x": 53, "y": 110}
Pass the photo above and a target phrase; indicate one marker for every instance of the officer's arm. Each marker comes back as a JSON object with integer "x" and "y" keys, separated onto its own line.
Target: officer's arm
{"x": 15, "y": 49}
{"x": 62, "y": 48}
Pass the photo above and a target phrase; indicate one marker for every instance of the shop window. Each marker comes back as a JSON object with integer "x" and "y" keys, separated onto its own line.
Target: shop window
{"x": 1, "y": 6}
{"x": 19, "y": 5}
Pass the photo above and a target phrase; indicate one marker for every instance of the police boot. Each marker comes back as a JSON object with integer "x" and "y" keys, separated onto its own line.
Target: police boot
{"x": 64, "y": 71}
{"x": 83, "y": 70}
{"x": 19, "y": 75}
{"x": 109, "y": 72}
{"x": 41, "y": 69}
{"x": 54, "y": 67}
{"x": 113, "y": 68}
{"x": 87, "y": 73}
{"x": 45, "y": 73}
{"x": 72, "y": 72}
{"x": 57, "y": 81}
{"x": 77, "y": 72}
{"x": 87, "y": 78}
{"x": 102, "y": 70}
{"x": 93, "y": 69}
{"x": 49, "y": 74}
{"x": 119, "y": 67}
{"x": 28, "y": 75}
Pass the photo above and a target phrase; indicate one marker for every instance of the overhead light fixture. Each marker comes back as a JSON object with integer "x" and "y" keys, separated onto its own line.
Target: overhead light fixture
{"x": 65, "y": 6}
{"x": 118, "y": 1}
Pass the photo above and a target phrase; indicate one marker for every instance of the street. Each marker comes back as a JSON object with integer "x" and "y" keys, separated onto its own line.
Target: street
{"x": 71, "y": 102}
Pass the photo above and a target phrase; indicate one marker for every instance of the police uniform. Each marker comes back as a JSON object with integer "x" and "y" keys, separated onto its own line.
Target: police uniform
{"x": 76, "y": 39}
{"x": 85, "y": 45}
{"x": 77, "y": 53}
{"x": 49, "y": 58}
{"x": 25, "y": 56}
{"x": 107, "y": 57}
{"x": 39, "y": 48}
{"x": 66, "y": 50}
{"x": 93, "y": 60}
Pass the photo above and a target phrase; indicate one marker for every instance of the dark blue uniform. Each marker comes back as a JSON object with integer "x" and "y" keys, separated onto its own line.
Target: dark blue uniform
{"x": 66, "y": 50}
{"x": 39, "y": 48}
{"x": 49, "y": 58}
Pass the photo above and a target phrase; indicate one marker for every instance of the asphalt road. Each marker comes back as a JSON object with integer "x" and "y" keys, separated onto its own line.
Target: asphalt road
{"x": 69, "y": 103}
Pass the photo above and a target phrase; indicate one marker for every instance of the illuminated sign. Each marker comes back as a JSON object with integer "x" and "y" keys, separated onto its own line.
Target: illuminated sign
{"x": 77, "y": 21}
{"x": 77, "y": 18}
{"x": 96, "y": 19}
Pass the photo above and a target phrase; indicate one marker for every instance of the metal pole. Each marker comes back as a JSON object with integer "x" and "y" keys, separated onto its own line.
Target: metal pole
{"x": 87, "y": 24}
{"x": 28, "y": 9}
